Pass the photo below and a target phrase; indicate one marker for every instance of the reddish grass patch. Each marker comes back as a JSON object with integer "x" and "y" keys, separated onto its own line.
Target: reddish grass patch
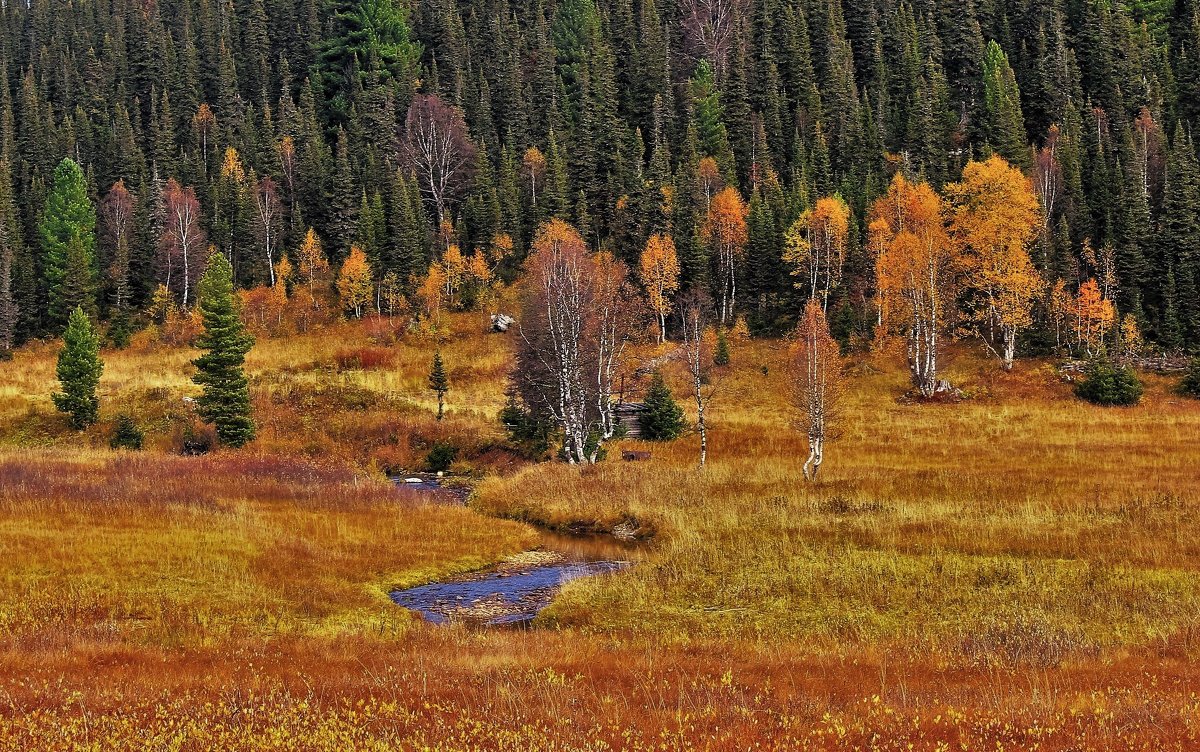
{"x": 365, "y": 358}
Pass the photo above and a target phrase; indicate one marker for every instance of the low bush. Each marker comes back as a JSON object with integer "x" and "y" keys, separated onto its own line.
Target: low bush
{"x": 441, "y": 457}
{"x": 1106, "y": 383}
{"x": 195, "y": 438}
{"x": 126, "y": 433}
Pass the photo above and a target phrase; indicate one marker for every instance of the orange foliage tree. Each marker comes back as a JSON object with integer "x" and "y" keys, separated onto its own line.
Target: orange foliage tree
{"x": 817, "y": 381}
{"x": 432, "y": 292}
{"x": 312, "y": 262}
{"x": 915, "y": 273}
{"x": 354, "y": 282}
{"x": 1130, "y": 337}
{"x": 659, "y": 271}
{"x": 1093, "y": 315}
{"x": 995, "y": 217}
{"x": 454, "y": 263}
{"x": 815, "y": 245}
{"x": 552, "y": 364}
{"x": 615, "y": 313}
{"x": 708, "y": 180}
{"x": 391, "y": 294}
{"x": 725, "y": 232}
{"x": 1059, "y": 304}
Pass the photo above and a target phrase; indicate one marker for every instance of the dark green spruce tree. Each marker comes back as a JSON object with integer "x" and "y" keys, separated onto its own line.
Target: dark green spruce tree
{"x": 439, "y": 383}
{"x": 68, "y": 235}
{"x": 662, "y": 419}
{"x": 226, "y": 399}
{"x": 79, "y": 368}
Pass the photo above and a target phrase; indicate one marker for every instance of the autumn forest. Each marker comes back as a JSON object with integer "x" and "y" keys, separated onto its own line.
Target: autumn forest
{"x": 599, "y": 375}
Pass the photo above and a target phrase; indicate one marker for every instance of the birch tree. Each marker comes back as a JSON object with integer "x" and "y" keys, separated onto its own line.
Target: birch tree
{"x": 693, "y": 321}
{"x": 815, "y": 246}
{"x": 116, "y": 214}
{"x": 725, "y": 231}
{"x": 817, "y": 383}
{"x": 182, "y": 241}
{"x": 438, "y": 150}
{"x": 659, "y": 271}
{"x": 354, "y": 282}
{"x": 267, "y": 220}
{"x": 915, "y": 273}
{"x": 579, "y": 312}
{"x": 710, "y": 27}
{"x": 552, "y": 329}
{"x": 614, "y": 310}
{"x": 995, "y": 217}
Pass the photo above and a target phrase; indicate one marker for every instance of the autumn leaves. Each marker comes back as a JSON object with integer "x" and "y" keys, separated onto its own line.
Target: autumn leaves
{"x": 959, "y": 260}
{"x": 936, "y": 260}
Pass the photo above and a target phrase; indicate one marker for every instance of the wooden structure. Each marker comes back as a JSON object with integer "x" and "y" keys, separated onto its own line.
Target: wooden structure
{"x": 629, "y": 417}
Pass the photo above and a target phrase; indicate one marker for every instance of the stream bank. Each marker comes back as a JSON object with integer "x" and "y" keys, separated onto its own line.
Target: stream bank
{"x": 513, "y": 592}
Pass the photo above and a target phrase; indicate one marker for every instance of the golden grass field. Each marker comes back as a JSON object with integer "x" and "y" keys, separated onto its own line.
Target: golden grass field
{"x": 1014, "y": 572}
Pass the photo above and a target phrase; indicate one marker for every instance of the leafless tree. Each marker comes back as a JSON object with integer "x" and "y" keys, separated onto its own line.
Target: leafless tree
{"x": 709, "y": 28}
{"x": 267, "y": 218}
{"x": 1048, "y": 177}
{"x": 8, "y": 303}
{"x": 183, "y": 239}
{"x": 817, "y": 383}
{"x": 438, "y": 149}
{"x": 116, "y": 211}
{"x": 695, "y": 312}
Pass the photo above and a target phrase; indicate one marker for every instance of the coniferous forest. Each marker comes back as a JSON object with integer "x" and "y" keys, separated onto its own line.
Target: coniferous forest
{"x": 134, "y": 135}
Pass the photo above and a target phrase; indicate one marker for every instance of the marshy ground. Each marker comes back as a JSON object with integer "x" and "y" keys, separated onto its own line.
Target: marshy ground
{"x": 1016, "y": 571}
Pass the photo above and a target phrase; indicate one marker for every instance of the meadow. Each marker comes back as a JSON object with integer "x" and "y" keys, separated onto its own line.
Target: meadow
{"x": 1016, "y": 571}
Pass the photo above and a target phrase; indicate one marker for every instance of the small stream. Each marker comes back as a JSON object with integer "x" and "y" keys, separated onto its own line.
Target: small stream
{"x": 514, "y": 591}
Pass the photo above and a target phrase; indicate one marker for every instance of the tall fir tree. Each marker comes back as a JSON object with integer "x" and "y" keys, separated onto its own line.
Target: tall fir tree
{"x": 68, "y": 238}
{"x": 78, "y": 370}
{"x": 1004, "y": 124}
{"x": 225, "y": 401}
{"x": 439, "y": 383}
{"x": 1179, "y": 236}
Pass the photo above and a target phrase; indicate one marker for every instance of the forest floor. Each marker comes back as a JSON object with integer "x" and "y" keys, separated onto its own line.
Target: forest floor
{"x": 1016, "y": 571}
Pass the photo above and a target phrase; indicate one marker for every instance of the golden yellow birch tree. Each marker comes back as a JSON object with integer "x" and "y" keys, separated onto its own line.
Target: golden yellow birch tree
{"x": 659, "y": 271}
{"x": 815, "y": 246}
{"x": 916, "y": 275}
{"x": 354, "y": 282}
{"x": 995, "y": 217}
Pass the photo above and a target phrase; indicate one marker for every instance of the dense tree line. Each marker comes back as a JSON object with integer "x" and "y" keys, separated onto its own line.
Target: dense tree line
{"x": 435, "y": 137}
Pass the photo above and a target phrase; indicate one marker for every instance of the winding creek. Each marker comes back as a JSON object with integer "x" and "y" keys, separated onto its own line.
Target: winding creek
{"x": 514, "y": 591}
